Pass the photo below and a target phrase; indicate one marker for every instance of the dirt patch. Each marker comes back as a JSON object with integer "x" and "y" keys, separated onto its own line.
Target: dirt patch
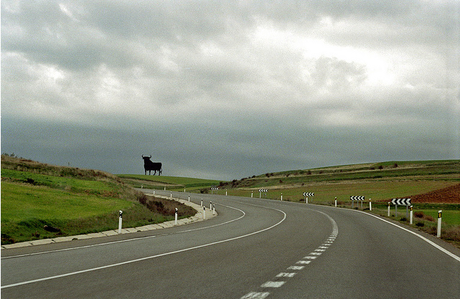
{"x": 446, "y": 195}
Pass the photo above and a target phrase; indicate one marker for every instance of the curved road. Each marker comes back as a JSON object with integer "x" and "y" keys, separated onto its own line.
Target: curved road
{"x": 255, "y": 248}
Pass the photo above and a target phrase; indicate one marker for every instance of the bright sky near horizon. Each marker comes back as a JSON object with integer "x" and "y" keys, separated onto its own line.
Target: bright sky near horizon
{"x": 230, "y": 89}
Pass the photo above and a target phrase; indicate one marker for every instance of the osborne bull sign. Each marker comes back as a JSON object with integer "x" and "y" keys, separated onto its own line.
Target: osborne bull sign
{"x": 151, "y": 166}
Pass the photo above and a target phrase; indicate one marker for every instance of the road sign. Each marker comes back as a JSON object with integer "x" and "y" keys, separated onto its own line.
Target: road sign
{"x": 401, "y": 201}
{"x": 263, "y": 190}
{"x": 357, "y": 197}
{"x": 308, "y": 194}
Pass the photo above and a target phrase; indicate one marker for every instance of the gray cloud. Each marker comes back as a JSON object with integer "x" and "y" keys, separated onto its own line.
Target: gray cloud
{"x": 227, "y": 89}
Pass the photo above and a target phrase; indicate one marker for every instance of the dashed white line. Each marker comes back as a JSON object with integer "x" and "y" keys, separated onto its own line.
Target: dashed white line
{"x": 256, "y": 295}
{"x": 272, "y": 284}
{"x": 296, "y": 268}
{"x": 313, "y": 255}
{"x": 284, "y": 274}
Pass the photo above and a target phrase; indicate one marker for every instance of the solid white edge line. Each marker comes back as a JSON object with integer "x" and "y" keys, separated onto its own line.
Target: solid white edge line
{"x": 146, "y": 258}
{"x": 452, "y": 255}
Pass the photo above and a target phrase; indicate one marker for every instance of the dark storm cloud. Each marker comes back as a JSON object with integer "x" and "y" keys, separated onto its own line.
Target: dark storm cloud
{"x": 227, "y": 89}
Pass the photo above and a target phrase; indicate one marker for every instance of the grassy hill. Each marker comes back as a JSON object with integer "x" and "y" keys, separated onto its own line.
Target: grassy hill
{"x": 45, "y": 201}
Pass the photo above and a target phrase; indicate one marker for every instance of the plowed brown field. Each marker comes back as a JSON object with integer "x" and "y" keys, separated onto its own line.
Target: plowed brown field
{"x": 446, "y": 195}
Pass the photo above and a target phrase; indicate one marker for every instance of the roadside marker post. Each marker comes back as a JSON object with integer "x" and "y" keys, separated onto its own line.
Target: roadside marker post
{"x": 201, "y": 203}
{"x": 281, "y": 196}
{"x": 370, "y": 204}
{"x": 204, "y": 212}
{"x": 252, "y": 194}
{"x": 120, "y": 220}
{"x": 189, "y": 198}
{"x": 226, "y": 192}
{"x": 439, "y": 223}
{"x": 335, "y": 202}
{"x": 389, "y": 203}
{"x": 411, "y": 214}
{"x": 175, "y": 217}
{"x": 308, "y": 194}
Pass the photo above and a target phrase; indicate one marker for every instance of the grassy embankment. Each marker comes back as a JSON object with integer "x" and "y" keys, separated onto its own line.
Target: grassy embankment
{"x": 170, "y": 183}
{"x": 45, "y": 201}
{"x": 379, "y": 181}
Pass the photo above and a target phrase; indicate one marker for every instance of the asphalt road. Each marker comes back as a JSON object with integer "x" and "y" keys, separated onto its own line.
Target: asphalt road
{"x": 255, "y": 248}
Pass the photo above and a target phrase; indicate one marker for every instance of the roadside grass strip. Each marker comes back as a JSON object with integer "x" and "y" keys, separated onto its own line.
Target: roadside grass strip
{"x": 304, "y": 261}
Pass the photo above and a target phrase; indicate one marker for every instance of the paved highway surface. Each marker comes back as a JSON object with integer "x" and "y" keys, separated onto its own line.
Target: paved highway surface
{"x": 255, "y": 248}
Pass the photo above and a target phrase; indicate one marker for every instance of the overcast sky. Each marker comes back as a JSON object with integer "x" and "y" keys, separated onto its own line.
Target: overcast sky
{"x": 230, "y": 89}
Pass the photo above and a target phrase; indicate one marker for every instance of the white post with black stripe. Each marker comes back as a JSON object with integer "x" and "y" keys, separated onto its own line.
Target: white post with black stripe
{"x": 120, "y": 220}
{"x": 175, "y": 217}
{"x": 335, "y": 202}
{"x": 308, "y": 194}
{"x": 439, "y": 224}
{"x": 411, "y": 218}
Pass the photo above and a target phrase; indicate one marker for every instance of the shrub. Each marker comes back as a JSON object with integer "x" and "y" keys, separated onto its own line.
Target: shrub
{"x": 419, "y": 214}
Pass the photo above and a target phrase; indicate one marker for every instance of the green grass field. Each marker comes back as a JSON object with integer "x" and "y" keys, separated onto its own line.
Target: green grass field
{"x": 171, "y": 183}
{"x": 75, "y": 201}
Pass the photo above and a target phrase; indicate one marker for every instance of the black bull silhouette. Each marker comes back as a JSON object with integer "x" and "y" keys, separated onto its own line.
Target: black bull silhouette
{"x": 149, "y": 165}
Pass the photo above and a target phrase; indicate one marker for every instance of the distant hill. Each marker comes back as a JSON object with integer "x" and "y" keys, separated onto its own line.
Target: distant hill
{"x": 445, "y": 170}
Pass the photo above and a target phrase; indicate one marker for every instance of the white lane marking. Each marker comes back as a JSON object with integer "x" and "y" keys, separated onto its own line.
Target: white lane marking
{"x": 284, "y": 274}
{"x": 78, "y": 247}
{"x": 147, "y": 257}
{"x": 417, "y": 235}
{"x": 273, "y": 284}
{"x": 128, "y": 240}
{"x": 295, "y": 267}
{"x": 256, "y": 295}
{"x": 318, "y": 251}
{"x": 219, "y": 224}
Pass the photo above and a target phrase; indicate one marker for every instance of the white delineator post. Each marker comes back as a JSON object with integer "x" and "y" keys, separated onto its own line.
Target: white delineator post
{"x": 389, "y": 212}
{"x": 306, "y": 199}
{"x": 370, "y": 204}
{"x": 281, "y": 196}
{"x": 120, "y": 220}
{"x": 411, "y": 215}
{"x": 189, "y": 198}
{"x": 204, "y": 212}
{"x": 439, "y": 223}
{"x": 335, "y": 202}
{"x": 175, "y": 217}
{"x": 252, "y": 194}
